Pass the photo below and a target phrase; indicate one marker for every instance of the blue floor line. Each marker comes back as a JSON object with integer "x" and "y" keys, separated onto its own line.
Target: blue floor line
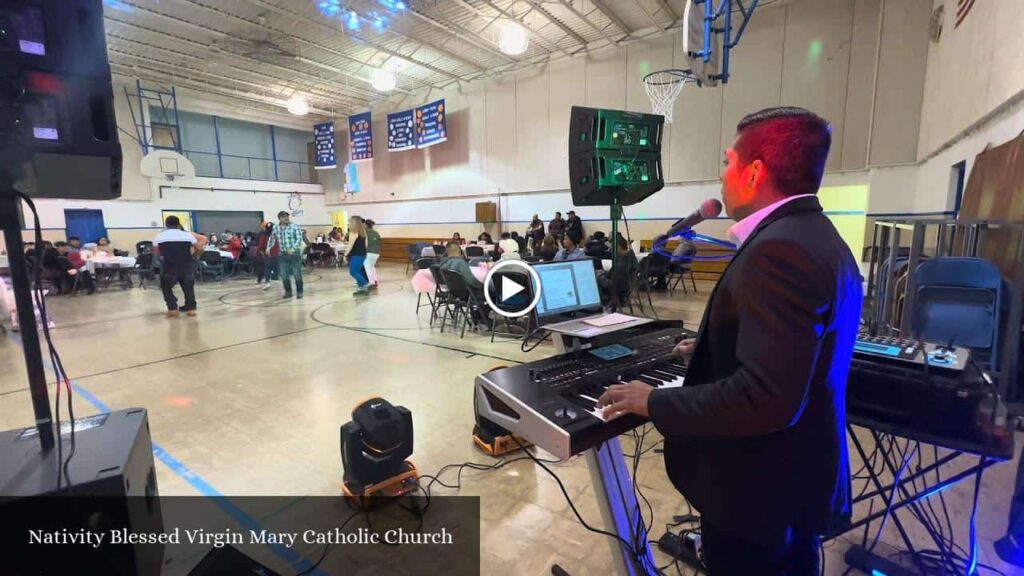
{"x": 295, "y": 559}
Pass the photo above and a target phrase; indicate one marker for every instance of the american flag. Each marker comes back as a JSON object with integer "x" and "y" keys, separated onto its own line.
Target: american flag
{"x": 963, "y": 8}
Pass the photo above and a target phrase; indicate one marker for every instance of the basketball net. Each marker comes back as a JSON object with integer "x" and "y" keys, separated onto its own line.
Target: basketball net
{"x": 664, "y": 87}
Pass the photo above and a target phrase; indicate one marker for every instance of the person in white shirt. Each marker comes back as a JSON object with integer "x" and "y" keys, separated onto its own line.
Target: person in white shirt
{"x": 507, "y": 244}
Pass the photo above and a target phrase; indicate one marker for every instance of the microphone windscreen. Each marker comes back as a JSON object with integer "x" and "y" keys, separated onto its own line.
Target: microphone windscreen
{"x": 710, "y": 208}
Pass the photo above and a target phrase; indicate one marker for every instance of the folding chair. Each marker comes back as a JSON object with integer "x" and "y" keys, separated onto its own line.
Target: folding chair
{"x": 424, "y": 264}
{"x": 958, "y": 300}
{"x": 462, "y": 301}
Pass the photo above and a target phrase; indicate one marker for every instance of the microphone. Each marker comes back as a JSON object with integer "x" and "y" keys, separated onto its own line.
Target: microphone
{"x": 709, "y": 208}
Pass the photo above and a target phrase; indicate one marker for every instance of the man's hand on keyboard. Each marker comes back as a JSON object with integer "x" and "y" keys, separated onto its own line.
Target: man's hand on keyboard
{"x": 622, "y": 398}
{"x": 684, "y": 349}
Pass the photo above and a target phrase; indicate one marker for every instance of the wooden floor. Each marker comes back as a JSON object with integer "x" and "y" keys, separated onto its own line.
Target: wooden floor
{"x": 248, "y": 396}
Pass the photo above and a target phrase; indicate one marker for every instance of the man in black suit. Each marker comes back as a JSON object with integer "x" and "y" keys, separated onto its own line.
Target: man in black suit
{"x": 756, "y": 439}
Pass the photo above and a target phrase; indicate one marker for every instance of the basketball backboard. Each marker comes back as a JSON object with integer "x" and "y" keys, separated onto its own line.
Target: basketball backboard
{"x": 709, "y": 35}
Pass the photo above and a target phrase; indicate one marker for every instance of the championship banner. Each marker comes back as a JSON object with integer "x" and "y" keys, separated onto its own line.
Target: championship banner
{"x": 360, "y": 137}
{"x": 323, "y": 137}
{"x": 431, "y": 124}
{"x": 401, "y": 132}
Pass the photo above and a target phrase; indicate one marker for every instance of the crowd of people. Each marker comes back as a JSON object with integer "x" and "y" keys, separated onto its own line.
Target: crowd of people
{"x": 276, "y": 252}
{"x": 64, "y": 263}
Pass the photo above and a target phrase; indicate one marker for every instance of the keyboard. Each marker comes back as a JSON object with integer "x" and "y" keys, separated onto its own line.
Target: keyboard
{"x": 553, "y": 402}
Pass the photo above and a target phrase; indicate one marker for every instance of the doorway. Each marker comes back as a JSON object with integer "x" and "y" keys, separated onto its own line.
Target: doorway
{"x": 87, "y": 225}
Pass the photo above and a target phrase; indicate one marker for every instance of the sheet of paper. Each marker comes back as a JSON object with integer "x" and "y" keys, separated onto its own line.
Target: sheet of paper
{"x": 609, "y": 319}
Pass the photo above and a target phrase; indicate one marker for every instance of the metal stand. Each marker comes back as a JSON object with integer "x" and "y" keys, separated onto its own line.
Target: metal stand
{"x": 616, "y": 213}
{"x": 10, "y": 221}
{"x": 620, "y": 511}
{"x": 907, "y": 493}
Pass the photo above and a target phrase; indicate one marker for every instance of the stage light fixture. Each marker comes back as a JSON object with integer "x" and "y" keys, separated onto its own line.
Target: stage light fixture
{"x": 513, "y": 39}
{"x": 298, "y": 105}
{"x": 382, "y": 80}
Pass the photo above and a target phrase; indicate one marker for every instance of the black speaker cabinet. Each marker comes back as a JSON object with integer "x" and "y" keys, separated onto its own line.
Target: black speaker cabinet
{"x": 112, "y": 488}
{"x": 58, "y": 133}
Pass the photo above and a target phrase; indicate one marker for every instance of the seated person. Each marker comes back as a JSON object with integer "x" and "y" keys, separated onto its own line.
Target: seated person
{"x": 548, "y": 248}
{"x": 74, "y": 244}
{"x": 457, "y": 238}
{"x": 103, "y": 245}
{"x": 507, "y": 244}
{"x": 521, "y": 241}
{"x": 235, "y": 247}
{"x": 455, "y": 262}
{"x": 57, "y": 264}
{"x": 624, "y": 272}
{"x": 570, "y": 248}
{"x": 661, "y": 265}
{"x": 484, "y": 238}
{"x": 597, "y": 247}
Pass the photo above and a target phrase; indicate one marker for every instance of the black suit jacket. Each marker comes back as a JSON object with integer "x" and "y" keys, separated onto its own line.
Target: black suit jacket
{"x": 756, "y": 439}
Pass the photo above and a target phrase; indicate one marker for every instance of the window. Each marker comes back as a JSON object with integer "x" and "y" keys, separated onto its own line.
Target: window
{"x": 957, "y": 180}
{"x": 228, "y": 148}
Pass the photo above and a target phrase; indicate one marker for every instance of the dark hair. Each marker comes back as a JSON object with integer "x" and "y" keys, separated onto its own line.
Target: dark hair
{"x": 793, "y": 143}
{"x": 599, "y": 235}
{"x": 59, "y": 244}
{"x": 515, "y": 234}
{"x": 172, "y": 222}
{"x": 369, "y": 223}
{"x": 70, "y": 238}
{"x": 283, "y": 213}
{"x": 574, "y": 238}
{"x": 505, "y": 235}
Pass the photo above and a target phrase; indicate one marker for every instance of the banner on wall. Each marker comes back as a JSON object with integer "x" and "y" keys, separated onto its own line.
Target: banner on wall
{"x": 401, "y": 131}
{"x": 323, "y": 136}
{"x": 360, "y": 138}
{"x": 431, "y": 124}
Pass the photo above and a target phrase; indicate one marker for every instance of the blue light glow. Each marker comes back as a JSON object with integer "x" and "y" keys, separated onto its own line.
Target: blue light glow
{"x": 352, "y": 21}
{"x": 394, "y": 5}
{"x": 379, "y": 22}
{"x": 877, "y": 572}
{"x": 118, "y": 5}
{"x": 330, "y": 7}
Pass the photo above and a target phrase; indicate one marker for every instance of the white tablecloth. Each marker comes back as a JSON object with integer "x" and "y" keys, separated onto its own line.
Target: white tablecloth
{"x": 4, "y": 264}
{"x": 423, "y": 281}
{"x": 122, "y": 261}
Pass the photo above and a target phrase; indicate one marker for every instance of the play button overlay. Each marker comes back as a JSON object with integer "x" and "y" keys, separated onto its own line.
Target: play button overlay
{"x": 509, "y": 288}
{"x": 506, "y": 288}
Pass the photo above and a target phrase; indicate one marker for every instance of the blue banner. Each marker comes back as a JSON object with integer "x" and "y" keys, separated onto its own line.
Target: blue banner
{"x": 431, "y": 124}
{"x": 360, "y": 138}
{"x": 323, "y": 137}
{"x": 401, "y": 131}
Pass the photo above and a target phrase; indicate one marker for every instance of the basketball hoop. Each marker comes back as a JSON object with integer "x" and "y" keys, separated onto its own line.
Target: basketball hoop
{"x": 663, "y": 87}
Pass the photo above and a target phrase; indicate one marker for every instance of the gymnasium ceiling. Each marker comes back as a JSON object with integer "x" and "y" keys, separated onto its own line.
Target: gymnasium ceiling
{"x": 260, "y": 53}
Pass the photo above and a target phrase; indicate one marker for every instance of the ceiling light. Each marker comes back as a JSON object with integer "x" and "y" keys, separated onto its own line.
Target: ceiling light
{"x": 513, "y": 39}
{"x": 298, "y": 105}
{"x": 382, "y": 80}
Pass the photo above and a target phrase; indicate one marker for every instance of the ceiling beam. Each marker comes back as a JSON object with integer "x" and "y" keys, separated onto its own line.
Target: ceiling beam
{"x": 364, "y": 94}
{"x": 650, "y": 16}
{"x": 541, "y": 39}
{"x": 333, "y": 30}
{"x": 611, "y": 15}
{"x": 568, "y": 5}
{"x": 462, "y": 33}
{"x": 551, "y": 18}
{"x": 343, "y": 99}
{"x": 416, "y": 82}
{"x": 160, "y": 76}
{"x": 668, "y": 10}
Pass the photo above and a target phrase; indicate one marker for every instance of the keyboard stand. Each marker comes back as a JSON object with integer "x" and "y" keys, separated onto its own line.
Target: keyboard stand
{"x": 620, "y": 511}
{"x": 609, "y": 472}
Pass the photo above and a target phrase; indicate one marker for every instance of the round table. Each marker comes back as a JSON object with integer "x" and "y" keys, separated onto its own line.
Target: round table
{"x": 423, "y": 281}
{"x": 126, "y": 262}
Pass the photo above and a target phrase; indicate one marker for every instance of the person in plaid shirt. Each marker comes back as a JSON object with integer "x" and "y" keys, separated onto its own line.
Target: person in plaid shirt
{"x": 288, "y": 237}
